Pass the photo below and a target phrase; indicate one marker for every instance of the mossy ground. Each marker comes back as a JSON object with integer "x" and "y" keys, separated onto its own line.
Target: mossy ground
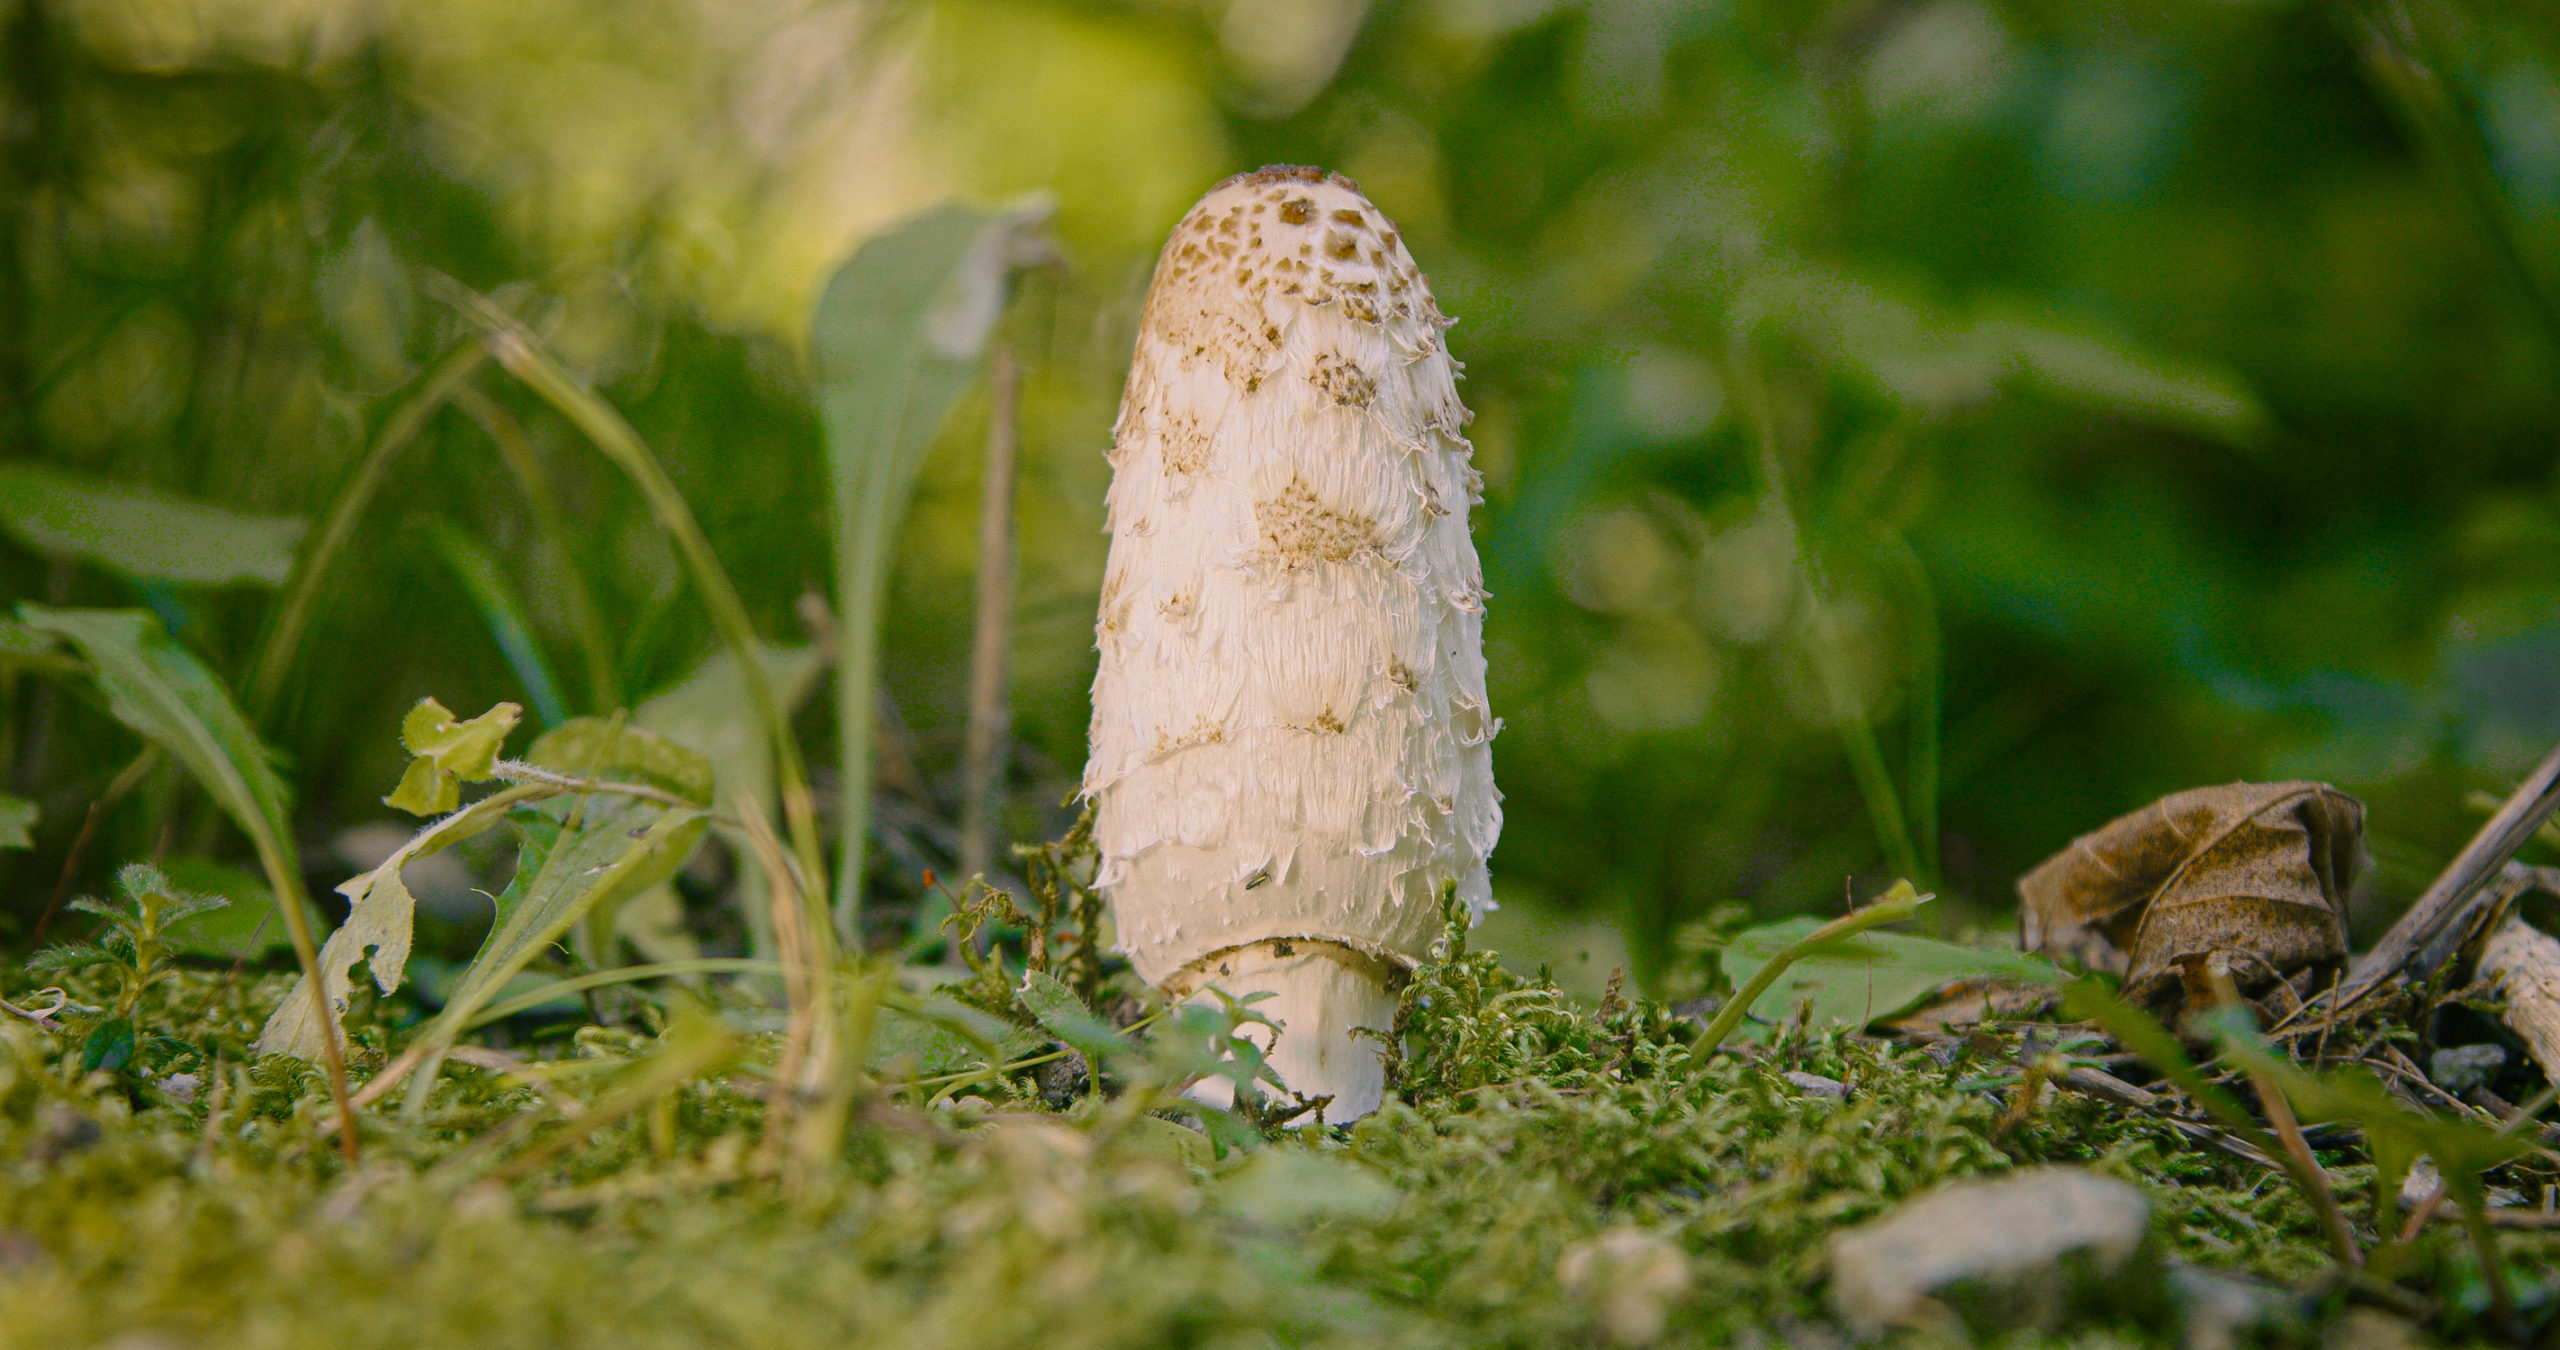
{"x": 1469, "y": 1212}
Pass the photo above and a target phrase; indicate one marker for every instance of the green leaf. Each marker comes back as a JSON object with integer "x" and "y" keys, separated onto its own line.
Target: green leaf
{"x": 142, "y": 533}
{"x": 381, "y": 914}
{"x": 17, "y": 817}
{"x": 1857, "y": 980}
{"x": 449, "y": 753}
{"x": 608, "y": 749}
{"x": 494, "y": 596}
{"x": 900, "y": 333}
{"x": 1056, "y": 1007}
{"x": 109, "y": 1046}
{"x": 580, "y": 851}
{"x": 160, "y": 690}
{"x": 77, "y": 956}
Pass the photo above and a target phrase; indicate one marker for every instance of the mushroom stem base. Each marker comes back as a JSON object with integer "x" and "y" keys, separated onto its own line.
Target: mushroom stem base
{"x": 1322, "y": 993}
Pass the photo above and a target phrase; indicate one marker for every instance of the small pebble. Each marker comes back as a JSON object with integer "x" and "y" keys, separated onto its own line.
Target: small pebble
{"x": 1815, "y": 1085}
{"x": 2459, "y": 1068}
{"x": 2021, "y": 1251}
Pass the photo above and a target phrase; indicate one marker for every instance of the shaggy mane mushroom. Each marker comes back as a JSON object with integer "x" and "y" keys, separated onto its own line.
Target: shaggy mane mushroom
{"x": 1290, "y": 754}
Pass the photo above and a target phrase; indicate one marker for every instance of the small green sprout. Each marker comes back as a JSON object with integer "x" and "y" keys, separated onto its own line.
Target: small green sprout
{"x": 137, "y": 944}
{"x": 449, "y": 753}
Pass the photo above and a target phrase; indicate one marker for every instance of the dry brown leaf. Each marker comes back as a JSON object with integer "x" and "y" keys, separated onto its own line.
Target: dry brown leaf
{"x": 2254, "y": 873}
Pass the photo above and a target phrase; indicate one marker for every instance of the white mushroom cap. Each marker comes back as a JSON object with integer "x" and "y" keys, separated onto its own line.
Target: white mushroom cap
{"x": 1290, "y": 732}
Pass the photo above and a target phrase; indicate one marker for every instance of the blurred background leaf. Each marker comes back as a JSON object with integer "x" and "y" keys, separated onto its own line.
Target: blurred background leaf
{"x": 1914, "y": 431}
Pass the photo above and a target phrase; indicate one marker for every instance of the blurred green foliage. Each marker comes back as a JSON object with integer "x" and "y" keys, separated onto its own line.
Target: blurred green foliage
{"x": 1913, "y": 433}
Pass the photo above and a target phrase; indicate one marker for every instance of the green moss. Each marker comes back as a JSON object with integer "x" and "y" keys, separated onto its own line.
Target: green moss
{"x": 218, "y": 1213}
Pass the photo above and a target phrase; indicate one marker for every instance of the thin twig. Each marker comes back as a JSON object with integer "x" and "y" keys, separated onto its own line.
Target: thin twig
{"x": 293, "y": 613}
{"x": 604, "y": 689}
{"x": 982, "y": 770}
{"x": 2480, "y": 861}
{"x": 125, "y": 781}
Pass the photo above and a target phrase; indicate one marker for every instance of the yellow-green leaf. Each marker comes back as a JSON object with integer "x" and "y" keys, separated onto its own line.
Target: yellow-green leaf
{"x": 450, "y": 753}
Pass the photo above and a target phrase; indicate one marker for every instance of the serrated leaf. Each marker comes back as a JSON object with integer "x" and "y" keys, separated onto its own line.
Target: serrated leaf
{"x": 109, "y": 1046}
{"x": 381, "y": 914}
{"x": 1056, "y": 1007}
{"x": 942, "y": 1035}
{"x": 142, "y": 533}
{"x": 77, "y": 957}
{"x": 17, "y": 821}
{"x": 449, "y": 754}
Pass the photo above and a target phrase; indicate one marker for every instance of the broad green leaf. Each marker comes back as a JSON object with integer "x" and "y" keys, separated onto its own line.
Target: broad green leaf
{"x": 609, "y": 749}
{"x": 899, "y": 336}
{"x": 580, "y": 851}
{"x": 381, "y": 913}
{"x": 143, "y": 533}
{"x": 17, "y": 817}
{"x": 161, "y": 691}
{"x": 597, "y": 747}
{"x": 1857, "y": 980}
{"x": 449, "y": 753}
{"x": 494, "y": 596}
{"x": 23, "y": 648}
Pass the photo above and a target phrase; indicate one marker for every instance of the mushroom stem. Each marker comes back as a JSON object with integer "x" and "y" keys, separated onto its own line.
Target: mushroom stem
{"x": 1334, "y": 1007}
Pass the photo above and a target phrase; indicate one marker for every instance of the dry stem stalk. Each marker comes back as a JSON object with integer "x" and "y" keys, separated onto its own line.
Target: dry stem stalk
{"x": 982, "y": 772}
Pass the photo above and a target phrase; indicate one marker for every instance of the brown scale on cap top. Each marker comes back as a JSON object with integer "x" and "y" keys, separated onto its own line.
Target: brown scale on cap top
{"x": 1281, "y": 231}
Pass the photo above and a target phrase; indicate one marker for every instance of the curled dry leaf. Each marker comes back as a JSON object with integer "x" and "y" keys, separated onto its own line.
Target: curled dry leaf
{"x": 2255, "y": 873}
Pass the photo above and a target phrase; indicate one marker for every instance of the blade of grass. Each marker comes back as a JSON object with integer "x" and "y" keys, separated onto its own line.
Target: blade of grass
{"x": 522, "y": 355}
{"x": 2307, "y": 1173}
{"x": 604, "y": 681}
{"x": 495, "y": 598}
{"x": 579, "y": 984}
{"x": 1896, "y": 904}
{"x": 1822, "y": 645}
{"x": 1920, "y": 774}
{"x": 283, "y": 637}
{"x": 125, "y": 781}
